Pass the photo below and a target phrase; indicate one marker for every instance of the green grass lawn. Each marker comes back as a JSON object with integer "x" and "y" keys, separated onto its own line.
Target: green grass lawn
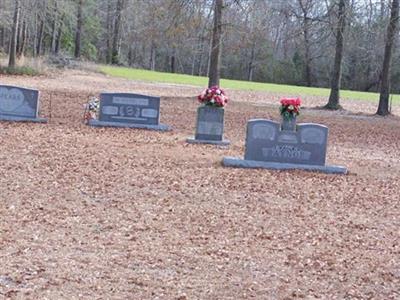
{"x": 289, "y": 90}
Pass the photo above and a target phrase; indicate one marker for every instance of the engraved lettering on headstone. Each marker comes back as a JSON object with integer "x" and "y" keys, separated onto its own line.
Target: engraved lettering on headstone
{"x": 287, "y": 138}
{"x": 209, "y": 116}
{"x": 312, "y": 136}
{"x": 149, "y": 113}
{"x": 212, "y": 128}
{"x": 130, "y": 111}
{"x": 16, "y": 102}
{"x": 129, "y": 108}
{"x": 110, "y": 110}
{"x": 307, "y": 145}
{"x": 131, "y": 101}
{"x": 11, "y": 99}
{"x": 288, "y": 152}
{"x": 263, "y": 131}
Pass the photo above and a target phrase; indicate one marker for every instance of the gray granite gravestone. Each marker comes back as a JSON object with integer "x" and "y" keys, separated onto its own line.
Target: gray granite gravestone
{"x": 209, "y": 126}
{"x": 129, "y": 110}
{"x": 267, "y": 146}
{"x": 19, "y": 104}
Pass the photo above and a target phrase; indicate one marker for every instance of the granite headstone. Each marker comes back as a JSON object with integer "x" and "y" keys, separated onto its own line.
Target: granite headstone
{"x": 266, "y": 142}
{"x": 209, "y": 126}
{"x": 267, "y": 146}
{"x": 19, "y": 104}
{"x": 129, "y": 110}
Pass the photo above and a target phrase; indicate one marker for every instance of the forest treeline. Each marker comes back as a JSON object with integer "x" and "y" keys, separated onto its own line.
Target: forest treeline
{"x": 279, "y": 41}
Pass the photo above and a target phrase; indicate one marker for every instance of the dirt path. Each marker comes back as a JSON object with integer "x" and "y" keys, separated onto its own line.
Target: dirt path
{"x": 89, "y": 213}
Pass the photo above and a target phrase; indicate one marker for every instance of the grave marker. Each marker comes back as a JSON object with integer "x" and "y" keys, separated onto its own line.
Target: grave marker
{"x": 209, "y": 127}
{"x": 19, "y": 104}
{"x": 267, "y": 146}
{"x": 129, "y": 110}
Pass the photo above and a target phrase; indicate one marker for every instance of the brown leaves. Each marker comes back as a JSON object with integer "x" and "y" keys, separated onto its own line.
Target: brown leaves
{"x": 122, "y": 213}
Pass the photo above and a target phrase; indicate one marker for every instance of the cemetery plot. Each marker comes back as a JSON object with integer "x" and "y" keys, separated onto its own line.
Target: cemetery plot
{"x": 107, "y": 214}
{"x": 129, "y": 110}
{"x": 19, "y": 104}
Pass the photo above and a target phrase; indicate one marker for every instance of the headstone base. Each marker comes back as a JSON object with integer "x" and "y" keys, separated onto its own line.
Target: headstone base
{"x": 241, "y": 163}
{"x": 192, "y": 140}
{"x": 160, "y": 127}
{"x": 22, "y": 119}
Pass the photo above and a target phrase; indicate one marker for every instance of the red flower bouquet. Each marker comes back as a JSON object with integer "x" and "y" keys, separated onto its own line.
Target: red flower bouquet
{"x": 213, "y": 96}
{"x": 290, "y": 108}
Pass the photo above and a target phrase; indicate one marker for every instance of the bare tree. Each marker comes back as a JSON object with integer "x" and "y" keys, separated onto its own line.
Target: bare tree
{"x": 22, "y": 38}
{"x": 383, "y": 108}
{"x": 54, "y": 28}
{"x": 117, "y": 29}
{"x": 59, "y": 35}
{"x": 13, "y": 44}
{"x": 334, "y": 97}
{"x": 78, "y": 31}
{"x": 305, "y": 6}
{"x": 2, "y": 29}
{"x": 109, "y": 27}
{"x": 215, "y": 56}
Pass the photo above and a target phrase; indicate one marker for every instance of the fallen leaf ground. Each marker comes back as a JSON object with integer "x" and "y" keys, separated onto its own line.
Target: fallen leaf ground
{"x": 89, "y": 213}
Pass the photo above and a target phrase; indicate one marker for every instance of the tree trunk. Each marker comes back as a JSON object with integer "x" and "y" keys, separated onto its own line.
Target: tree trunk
{"x": 306, "y": 35}
{"x": 78, "y": 31}
{"x": 153, "y": 57}
{"x": 13, "y": 43}
{"x": 203, "y": 53}
{"x": 54, "y": 29}
{"x": 215, "y": 53}
{"x": 334, "y": 97}
{"x": 117, "y": 29}
{"x": 201, "y": 59}
{"x": 251, "y": 63}
{"x": 2, "y": 37}
{"x": 40, "y": 38}
{"x": 22, "y": 41}
{"x": 109, "y": 32}
{"x": 172, "y": 61}
{"x": 59, "y": 35}
{"x": 383, "y": 108}
{"x": 19, "y": 36}
{"x": 307, "y": 52}
{"x": 2, "y": 31}
{"x": 131, "y": 55}
{"x": 193, "y": 61}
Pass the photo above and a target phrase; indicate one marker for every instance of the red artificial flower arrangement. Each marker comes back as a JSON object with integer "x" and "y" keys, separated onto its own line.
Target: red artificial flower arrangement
{"x": 290, "y": 107}
{"x": 213, "y": 96}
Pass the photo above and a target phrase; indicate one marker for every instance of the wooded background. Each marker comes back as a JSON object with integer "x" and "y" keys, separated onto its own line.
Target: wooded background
{"x": 291, "y": 41}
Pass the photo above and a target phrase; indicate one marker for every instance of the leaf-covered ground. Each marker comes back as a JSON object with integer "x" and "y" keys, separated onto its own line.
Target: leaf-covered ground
{"x": 89, "y": 213}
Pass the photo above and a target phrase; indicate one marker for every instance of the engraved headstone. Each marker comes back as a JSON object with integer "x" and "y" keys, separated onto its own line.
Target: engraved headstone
{"x": 19, "y": 104}
{"x": 209, "y": 126}
{"x": 268, "y": 146}
{"x": 267, "y": 142}
{"x": 129, "y": 110}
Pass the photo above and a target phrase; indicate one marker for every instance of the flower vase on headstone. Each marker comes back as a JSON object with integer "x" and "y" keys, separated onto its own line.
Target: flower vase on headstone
{"x": 289, "y": 123}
